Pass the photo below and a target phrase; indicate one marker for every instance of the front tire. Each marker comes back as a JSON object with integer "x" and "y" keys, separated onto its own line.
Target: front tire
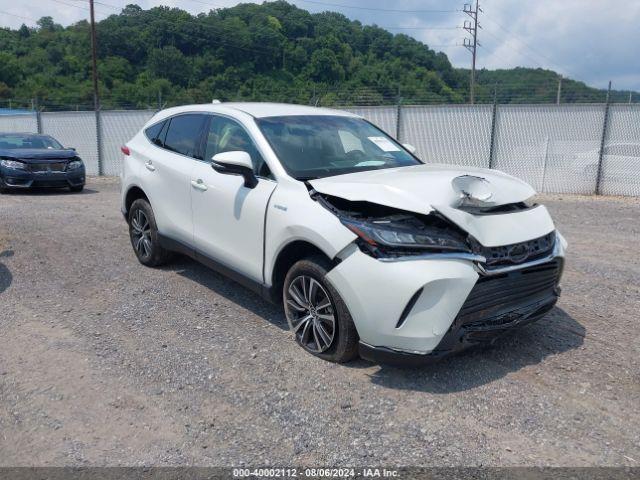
{"x": 143, "y": 232}
{"x": 76, "y": 189}
{"x": 317, "y": 315}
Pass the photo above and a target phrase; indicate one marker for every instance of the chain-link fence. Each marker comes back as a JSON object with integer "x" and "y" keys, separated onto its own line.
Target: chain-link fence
{"x": 566, "y": 148}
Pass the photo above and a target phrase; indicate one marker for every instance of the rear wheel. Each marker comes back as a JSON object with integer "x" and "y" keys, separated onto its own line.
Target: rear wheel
{"x": 143, "y": 232}
{"x": 317, "y": 315}
{"x": 76, "y": 189}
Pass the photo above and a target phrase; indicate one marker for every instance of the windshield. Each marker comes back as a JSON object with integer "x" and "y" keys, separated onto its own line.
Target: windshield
{"x": 314, "y": 146}
{"x": 10, "y": 142}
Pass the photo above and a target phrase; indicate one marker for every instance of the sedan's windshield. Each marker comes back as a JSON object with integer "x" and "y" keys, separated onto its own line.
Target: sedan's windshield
{"x": 314, "y": 146}
{"x": 18, "y": 141}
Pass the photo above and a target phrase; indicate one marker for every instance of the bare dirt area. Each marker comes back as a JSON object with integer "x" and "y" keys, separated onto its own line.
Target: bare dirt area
{"x": 106, "y": 362}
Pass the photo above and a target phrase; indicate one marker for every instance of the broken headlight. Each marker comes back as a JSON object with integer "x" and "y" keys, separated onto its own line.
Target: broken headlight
{"x": 387, "y": 236}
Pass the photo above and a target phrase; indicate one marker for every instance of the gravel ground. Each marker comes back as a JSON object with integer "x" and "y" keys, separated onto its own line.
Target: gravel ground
{"x": 106, "y": 362}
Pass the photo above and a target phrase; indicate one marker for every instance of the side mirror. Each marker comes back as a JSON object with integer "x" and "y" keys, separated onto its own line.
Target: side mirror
{"x": 235, "y": 163}
{"x": 409, "y": 147}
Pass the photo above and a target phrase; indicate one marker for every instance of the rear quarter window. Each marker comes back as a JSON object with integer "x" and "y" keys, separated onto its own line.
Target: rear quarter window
{"x": 153, "y": 132}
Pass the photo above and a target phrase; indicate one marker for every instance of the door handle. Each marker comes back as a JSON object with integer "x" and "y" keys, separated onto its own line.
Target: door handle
{"x": 199, "y": 184}
{"x": 149, "y": 166}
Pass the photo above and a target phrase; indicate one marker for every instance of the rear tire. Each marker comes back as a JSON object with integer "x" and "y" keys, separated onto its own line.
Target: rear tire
{"x": 77, "y": 189}
{"x": 316, "y": 313}
{"x": 143, "y": 233}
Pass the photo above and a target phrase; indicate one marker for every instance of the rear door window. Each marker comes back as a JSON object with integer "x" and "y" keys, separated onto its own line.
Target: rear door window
{"x": 184, "y": 133}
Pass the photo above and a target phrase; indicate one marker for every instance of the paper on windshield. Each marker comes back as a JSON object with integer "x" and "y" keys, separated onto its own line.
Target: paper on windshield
{"x": 384, "y": 144}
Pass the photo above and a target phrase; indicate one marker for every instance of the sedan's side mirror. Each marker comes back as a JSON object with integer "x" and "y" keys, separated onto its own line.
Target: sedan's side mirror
{"x": 409, "y": 147}
{"x": 235, "y": 163}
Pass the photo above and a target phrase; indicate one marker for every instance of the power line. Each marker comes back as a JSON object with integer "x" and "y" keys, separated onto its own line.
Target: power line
{"x": 417, "y": 28}
{"x": 526, "y": 45}
{"x": 222, "y": 30}
{"x": 399, "y": 27}
{"x": 18, "y": 16}
{"x": 72, "y": 5}
{"x": 340, "y": 5}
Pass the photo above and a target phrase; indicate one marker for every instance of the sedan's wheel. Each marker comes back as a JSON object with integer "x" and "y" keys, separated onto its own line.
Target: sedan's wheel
{"x": 317, "y": 315}
{"x": 144, "y": 235}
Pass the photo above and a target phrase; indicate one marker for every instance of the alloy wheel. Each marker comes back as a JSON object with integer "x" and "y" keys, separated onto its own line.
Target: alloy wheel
{"x": 141, "y": 233}
{"x": 310, "y": 314}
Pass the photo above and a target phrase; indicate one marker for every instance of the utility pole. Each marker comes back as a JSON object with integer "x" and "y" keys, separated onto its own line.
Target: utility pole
{"x": 94, "y": 50}
{"x": 630, "y": 94}
{"x": 96, "y": 93}
{"x": 472, "y": 45}
{"x": 603, "y": 139}
{"x": 559, "y": 90}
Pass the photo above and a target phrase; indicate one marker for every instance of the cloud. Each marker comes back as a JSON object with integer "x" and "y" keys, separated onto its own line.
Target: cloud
{"x": 593, "y": 41}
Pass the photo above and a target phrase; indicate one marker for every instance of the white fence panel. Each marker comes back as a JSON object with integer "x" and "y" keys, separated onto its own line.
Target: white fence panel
{"x": 77, "y": 130}
{"x": 555, "y": 148}
{"x": 451, "y": 134}
{"x": 621, "y": 160}
{"x": 384, "y": 117}
{"x": 117, "y": 128}
{"x": 25, "y": 123}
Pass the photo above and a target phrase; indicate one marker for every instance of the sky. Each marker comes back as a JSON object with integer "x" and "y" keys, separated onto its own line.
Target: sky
{"x": 590, "y": 40}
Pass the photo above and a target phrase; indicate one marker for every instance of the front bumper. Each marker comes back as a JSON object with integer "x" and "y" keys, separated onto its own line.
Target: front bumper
{"x": 417, "y": 311}
{"x": 14, "y": 178}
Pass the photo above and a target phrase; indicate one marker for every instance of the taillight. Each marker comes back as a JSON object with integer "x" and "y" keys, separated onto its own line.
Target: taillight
{"x": 125, "y": 150}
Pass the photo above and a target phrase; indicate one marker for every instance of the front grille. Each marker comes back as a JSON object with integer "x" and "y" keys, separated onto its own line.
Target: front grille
{"x": 518, "y": 252}
{"x": 50, "y": 183}
{"x": 48, "y": 167}
{"x": 504, "y": 299}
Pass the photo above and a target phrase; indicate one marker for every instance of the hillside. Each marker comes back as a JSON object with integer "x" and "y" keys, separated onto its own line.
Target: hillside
{"x": 274, "y": 51}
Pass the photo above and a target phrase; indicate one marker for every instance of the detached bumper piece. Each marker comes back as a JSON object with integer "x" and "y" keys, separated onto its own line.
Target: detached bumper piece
{"x": 496, "y": 304}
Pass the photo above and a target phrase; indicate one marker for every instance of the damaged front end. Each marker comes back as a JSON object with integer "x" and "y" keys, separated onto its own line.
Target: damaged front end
{"x": 390, "y": 234}
{"x": 444, "y": 306}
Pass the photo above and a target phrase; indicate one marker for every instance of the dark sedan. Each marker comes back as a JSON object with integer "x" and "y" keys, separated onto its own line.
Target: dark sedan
{"x": 31, "y": 160}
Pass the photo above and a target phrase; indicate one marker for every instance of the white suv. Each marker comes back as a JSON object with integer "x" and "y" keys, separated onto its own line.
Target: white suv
{"x": 369, "y": 250}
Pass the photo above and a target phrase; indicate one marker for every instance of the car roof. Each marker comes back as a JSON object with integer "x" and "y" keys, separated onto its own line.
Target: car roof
{"x": 23, "y": 134}
{"x": 260, "y": 109}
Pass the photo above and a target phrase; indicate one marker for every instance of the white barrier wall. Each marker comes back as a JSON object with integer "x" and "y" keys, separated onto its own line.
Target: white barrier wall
{"x": 117, "y": 128}
{"x": 452, "y": 134}
{"x": 621, "y": 155}
{"x": 556, "y": 148}
{"x": 385, "y": 118}
{"x": 77, "y": 130}
{"x": 18, "y": 123}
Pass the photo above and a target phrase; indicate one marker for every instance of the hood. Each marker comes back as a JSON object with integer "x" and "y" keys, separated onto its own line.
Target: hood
{"x": 421, "y": 188}
{"x": 425, "y": 188}
{"x": 39, "y": 154}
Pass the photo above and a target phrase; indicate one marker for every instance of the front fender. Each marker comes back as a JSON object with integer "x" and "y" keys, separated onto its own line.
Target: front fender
{"x": 292, "y": 215}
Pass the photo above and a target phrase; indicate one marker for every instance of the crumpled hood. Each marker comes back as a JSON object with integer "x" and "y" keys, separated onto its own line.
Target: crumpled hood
{"x": 425, "y": 188}
{"x": 419, "y": 188}
{"x": 38, "y": 153}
